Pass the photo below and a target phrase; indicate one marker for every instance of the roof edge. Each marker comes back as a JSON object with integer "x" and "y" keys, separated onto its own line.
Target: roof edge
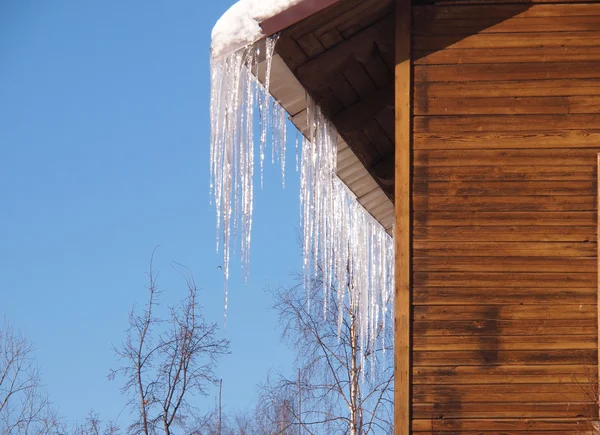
{"x": 293, "y": 15}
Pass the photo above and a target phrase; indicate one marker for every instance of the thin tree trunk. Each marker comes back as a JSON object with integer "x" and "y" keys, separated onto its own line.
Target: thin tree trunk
{"x": 220, "y": 409}
{"x": 353, "y": 371}
{"x": 299, "y": 405}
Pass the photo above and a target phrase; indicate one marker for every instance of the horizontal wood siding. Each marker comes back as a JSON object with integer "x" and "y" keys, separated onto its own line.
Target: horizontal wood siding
{"x": 506, "y": 130}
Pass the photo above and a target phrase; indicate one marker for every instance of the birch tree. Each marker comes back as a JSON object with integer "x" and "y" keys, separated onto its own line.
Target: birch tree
{"x": 334, "y": 393}
{"x": 24, "y": 405}
{"x": 167, "y": 361}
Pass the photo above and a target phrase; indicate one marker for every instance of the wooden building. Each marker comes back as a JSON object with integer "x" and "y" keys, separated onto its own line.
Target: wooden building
{"x": 471, "y": 129}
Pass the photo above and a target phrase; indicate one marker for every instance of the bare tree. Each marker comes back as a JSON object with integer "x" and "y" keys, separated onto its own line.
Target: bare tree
{"x": 24, "y": 404}
{"x": 167, "y": 361}
{"x": 93, "y": 426}
{"x": 333, "y": 392}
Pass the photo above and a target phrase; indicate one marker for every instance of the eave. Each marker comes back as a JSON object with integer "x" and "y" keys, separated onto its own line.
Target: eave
{"x": 364, "y": 121}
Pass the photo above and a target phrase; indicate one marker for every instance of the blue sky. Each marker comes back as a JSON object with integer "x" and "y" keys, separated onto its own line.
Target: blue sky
{"x": 104, "y": 131}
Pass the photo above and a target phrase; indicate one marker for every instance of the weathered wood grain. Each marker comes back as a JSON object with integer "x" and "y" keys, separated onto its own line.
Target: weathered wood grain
{"x": 509, "y": 55}
{"x": 439, "y": 13}
{"x": 526, "y": 327}
{"x": 461, "y": 26}
{"x": 504, "y": 195}
{"x": 508, "y": 188}
{"x": 510, "y": 88}
{"x": 501, "y": 410}
{"x": 403, "y": 222}
{"x": 508, "y": 140}
{"x": 444, "y": 426}
{"x": 494, "y": 172}
{"x": 505, "y": 357}
{"x": 505, "y": 203}
{"x": 507, "y": 40}
{"x": 424, "y": 248}
{"x": 504, "y": 312}
{"x": 501, "y": 374}
{"x": 520, "y": 157}
{"x": 500, "y": 296}
{"x": 494, "y": 343}
{"x": 489, "y": 123}
{"x": 507, "y": 280}
{"x": 505, "y": 264}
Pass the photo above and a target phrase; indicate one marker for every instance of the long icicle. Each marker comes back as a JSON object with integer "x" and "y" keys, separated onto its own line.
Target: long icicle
{"x": 341, "y": 240}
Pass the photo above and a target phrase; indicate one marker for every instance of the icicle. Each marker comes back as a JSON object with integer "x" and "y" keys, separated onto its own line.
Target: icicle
{"x": 341, "y": 241}
{"x": 235, "y": 91}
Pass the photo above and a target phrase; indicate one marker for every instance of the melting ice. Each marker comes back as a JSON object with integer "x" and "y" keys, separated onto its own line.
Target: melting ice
{"x": 340, "y": 238}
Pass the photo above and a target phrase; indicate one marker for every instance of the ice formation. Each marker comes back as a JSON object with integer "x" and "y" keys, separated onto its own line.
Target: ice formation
{"x": 341, "y": 240}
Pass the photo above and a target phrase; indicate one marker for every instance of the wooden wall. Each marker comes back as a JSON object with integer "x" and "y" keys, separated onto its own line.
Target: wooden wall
{"x": 506, "y": 130}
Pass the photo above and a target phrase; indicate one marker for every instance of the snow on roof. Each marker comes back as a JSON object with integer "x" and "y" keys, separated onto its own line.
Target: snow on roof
{"x": 240, "y": 25}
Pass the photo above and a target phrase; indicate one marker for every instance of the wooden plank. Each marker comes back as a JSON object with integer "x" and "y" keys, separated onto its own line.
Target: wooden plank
{"x": 499, "y": 374}
{"x": 536, "y": 327}
{"x": 504, "y": 312}
{"x": 504, "y": 11}
{"x": 505, "y": 234}
{"x": 507, "y": 249}
{"x": 290, "y": 52}
{"x": 377, "y": 138}
{"x": 517, "y": 88}
{"x": 505, "y": 203}
{"x": 310, "y": 45}
{"x": 584, "y": 104}
{"x": 500, "y": 296}
{"x": 579, "y": 431}
{"x": 371, "y": 14}
{"x": 503, "y": 71}
{"x": 507, "y": 40}
{"x": 318, "y": 71}
{"x": 403, "y": 223}
{"x": 495, "y": 342}
{"x": 344, "y": 92}
{"x": 432, "y": 249}
{"x": 507, "y": 280}
{"x": 506, "y": 425}
{"x": 502, "y": 410}
{"x": 358, "y": 78}
{"x": 507, "y": 188}
{"x": 357, "y": 115}
{"x": 486, "y": 24}
{"x": 503, "y": 357}
{"x": 522, "y": 157}
{"x": 508, "y": 140}
{"x": 597, "y": 379}
{"x": 512, "y": 218}
{"x": 329, "y": 38}
{"x": 504, "y": 264}
{"x": 494, "y": 106}
{"x": 498, "y": 106}
{"x": 530, "y": 123}
{"x": 509, "y": 55}
{"x": 506, "y": 173}
{"x": 379, "y": 71}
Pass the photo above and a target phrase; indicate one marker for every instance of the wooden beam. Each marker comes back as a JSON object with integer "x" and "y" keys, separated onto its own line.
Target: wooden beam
{"x": 598, "y": 269}
{"x": 403, "y": 266}
{"x": 356, "y": 116}
{"x": 318, "y": 71}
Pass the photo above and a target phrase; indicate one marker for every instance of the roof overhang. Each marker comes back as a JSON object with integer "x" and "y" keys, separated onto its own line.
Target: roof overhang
{"x": 360, "y": 162}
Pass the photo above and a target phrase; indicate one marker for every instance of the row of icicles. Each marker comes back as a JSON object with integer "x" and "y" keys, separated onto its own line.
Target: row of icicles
{"x": 341, "y": 240}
